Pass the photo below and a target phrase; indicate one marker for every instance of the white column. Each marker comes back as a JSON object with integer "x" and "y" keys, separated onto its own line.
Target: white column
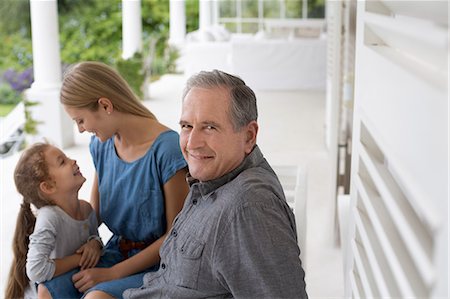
{"x": 215, "y": 12}
{"x": 53, "y": 124}
{"x": 177, "y": 24}
{"x": 131, "y": 28}
{"x": 305, "y": 9}
{"x": 260, "y": 15}
{"x": 282, "y": 10}
{"x": 205, "y": 15}
{"x": 45, "y": 41}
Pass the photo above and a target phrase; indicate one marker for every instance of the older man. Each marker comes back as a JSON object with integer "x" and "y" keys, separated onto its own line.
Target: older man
{"x": 235, "y": 236}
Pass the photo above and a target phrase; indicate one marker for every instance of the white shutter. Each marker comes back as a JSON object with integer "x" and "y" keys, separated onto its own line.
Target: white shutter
{"x": 397, "y": 244}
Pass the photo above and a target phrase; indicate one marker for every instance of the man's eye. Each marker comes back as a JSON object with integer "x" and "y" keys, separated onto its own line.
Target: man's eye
{"x": 210, "y": 128}
{"x": 79, "y": 122}
{"x": 185, "y": 126}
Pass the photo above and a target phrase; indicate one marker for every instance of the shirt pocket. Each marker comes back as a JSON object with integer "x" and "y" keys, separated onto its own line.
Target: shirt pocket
{"x": 190, "y": 253}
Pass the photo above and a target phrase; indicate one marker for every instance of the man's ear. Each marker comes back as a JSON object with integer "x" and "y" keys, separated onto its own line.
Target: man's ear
{"x": 251, "y": 132}
{"x": 47, "y": 187}
{"x": 106, "y": 105}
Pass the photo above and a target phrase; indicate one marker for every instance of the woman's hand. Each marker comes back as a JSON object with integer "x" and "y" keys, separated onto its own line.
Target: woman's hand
{"x": 88, "y": 278}
{"x": 90, "y": 254}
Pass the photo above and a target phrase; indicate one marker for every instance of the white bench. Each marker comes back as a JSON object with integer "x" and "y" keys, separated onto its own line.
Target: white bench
{"x": 294, "y": 182}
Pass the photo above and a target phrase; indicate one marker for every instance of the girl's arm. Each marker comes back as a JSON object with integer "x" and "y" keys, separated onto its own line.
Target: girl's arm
{"x": 66, "y": 264}
{"x": 175, "y": 192}
{"x": 39, "y": 266}
{"x": 92, "y": 249}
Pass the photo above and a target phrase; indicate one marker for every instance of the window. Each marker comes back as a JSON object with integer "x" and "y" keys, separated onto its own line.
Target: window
{"x": 247, "y": 16}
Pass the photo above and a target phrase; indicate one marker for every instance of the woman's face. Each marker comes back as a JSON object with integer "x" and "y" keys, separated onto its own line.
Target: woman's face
{"x": 96, "y": 122}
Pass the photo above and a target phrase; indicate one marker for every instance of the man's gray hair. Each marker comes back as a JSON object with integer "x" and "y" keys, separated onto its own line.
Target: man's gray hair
{"x": 243, "y": 108}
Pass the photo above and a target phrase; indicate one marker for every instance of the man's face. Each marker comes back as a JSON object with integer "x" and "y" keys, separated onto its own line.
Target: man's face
{"x": 208, "y": 141}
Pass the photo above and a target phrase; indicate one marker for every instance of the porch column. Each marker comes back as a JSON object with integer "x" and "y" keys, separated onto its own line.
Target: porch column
{"x": 215, "y": 12}
{"x": 205, "y": 14}
{"x": 53, "y": 122}
{"x": 177, "y": 24}
{"x": 131, "y": 28}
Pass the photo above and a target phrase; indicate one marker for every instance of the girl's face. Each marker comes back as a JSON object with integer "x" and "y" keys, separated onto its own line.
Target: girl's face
{"x": 96, "y": 122}
{"x": 64, "y": 172}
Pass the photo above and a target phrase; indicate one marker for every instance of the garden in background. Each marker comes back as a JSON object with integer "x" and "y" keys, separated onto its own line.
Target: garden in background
{"x": 89, "y": 30}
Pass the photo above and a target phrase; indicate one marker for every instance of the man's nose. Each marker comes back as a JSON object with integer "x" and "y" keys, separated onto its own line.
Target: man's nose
{"x": 195, "y": 139}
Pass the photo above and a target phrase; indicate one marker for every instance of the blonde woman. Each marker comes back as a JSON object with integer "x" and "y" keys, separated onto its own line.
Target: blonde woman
{"x": 139, "y": 186}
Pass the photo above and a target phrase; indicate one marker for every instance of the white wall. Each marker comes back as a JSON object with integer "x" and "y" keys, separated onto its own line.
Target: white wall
{"x": 398, "y": 235}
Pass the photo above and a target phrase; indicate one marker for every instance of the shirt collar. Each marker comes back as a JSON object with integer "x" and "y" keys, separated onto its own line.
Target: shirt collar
{"x": 251, "y": 160}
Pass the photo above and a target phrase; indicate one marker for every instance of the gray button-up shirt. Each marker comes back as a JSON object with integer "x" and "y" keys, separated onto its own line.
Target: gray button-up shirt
{"x": 235, "y": 237}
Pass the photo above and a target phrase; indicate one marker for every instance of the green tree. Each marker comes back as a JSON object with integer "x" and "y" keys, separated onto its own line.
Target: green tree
{"x": 91, "y": 32}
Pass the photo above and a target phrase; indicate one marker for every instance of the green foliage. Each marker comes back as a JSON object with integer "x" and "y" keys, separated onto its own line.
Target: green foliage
{"x": 250, "y": 9}
{"x": 192, "y": 17}
{"x": 15, "y": 34}
{"x": 166, "y": 63}
{"x": 228, "y": 9}
{"x": 15, "y": 51}
{"x": 132, "y": 71}
{"x": 91, "y": 32}
{"x": 30, "y": 123}
{"x": 8, "y": 95}
{"x": 5, "y": 109}
{"x": 294, "y": 9}
{"x": 316, "y": 8}
{"x": 15, "y": 17}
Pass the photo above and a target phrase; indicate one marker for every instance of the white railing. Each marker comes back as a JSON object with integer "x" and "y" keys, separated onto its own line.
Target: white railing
{"x": 11, "y": 135}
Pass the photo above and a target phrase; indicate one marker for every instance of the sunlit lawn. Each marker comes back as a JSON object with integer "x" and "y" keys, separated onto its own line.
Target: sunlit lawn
{"x": 6, "y": 108}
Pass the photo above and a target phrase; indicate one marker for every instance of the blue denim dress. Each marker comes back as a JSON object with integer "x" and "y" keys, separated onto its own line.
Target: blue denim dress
{"x": 131, "y": 206}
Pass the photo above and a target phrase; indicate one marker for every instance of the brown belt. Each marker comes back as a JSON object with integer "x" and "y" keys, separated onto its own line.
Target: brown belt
{"x": 125, "y": 246}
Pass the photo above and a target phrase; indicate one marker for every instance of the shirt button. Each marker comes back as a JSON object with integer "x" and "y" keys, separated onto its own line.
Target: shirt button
{"x": 194, "y": 201}
{"x": 163, "y": 266}
{"x": 174, "y": 233}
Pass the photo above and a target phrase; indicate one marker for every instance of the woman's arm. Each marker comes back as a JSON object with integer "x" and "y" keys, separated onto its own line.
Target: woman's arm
{"x": 175, "y": 192}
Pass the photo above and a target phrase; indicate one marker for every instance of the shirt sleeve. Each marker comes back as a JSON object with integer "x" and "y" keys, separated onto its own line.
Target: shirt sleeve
{"x": 40, "y": 267}
{"x": 257, "y": 254}
{"x": 169, "y": 157}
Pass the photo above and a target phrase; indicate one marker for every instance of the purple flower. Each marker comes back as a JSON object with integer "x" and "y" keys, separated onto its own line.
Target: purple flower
{"x": 19, "y": 81}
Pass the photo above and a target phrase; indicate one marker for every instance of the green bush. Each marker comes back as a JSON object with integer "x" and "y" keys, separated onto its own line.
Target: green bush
{"x": 30, "y": 123}
{"x": 132, "y": 71}
{"x": 92, "y": 30}
{"x": 8, "y": 96}
{"x": 15, "y": 52}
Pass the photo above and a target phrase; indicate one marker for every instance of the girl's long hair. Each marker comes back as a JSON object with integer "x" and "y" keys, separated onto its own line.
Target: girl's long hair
{"x": 30, "y": 171}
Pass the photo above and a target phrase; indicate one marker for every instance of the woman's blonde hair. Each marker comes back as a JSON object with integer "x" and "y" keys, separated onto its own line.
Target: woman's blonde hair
{"x": 86, "y": 82}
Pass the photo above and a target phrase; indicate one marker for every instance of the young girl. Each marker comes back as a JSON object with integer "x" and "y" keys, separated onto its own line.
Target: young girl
{"x": 63, "y": 236}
